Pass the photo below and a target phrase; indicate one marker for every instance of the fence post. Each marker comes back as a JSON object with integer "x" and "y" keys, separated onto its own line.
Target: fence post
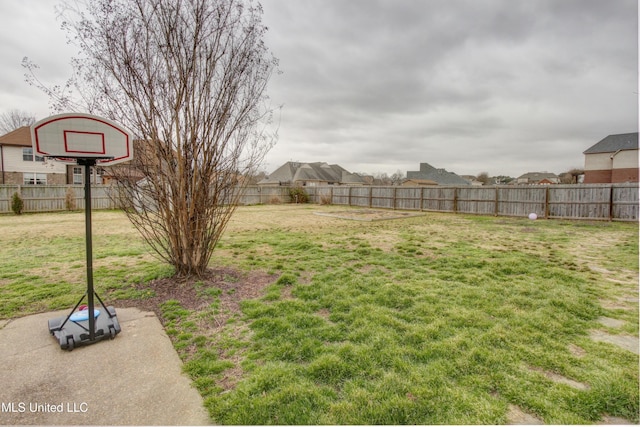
{"x": 455, "y": 199}
{"x": 495, "y": 210}
{"x": 395, "y": 196}
{"x": 370, "y": 197}
{"x": 546, "y": 202}
{"x": 611, "y": 202}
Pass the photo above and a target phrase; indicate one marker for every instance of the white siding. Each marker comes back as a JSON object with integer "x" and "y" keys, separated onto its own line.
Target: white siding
{"x": 595, "y": 162}
{"x": 13, "y": 163}
{"x": 602, "y": 161}
{"x": 626, "y": 159}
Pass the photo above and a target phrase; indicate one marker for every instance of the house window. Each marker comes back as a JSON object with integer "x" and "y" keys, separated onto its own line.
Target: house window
{"x": 30, "y": 178}
{"x": 77, "y": 175}
{"x": 27, "y": 155}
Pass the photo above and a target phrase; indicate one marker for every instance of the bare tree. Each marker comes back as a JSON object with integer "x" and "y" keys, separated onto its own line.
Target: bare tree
{"x": 483, "y": 177}
{"x": 382, "y": 178}
{"x": 572, "y": 176}
{"x": 189, "y": 78}
{"x": 397, "y": 177}
{"x": 15, "y": 119}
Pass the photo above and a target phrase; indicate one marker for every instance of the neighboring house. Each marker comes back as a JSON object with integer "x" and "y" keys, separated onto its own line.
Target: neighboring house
{"x": 417, "y": 182}
{"x": 613, "y": 159}
{"x": 18, "y": 164}
{"x": 440, "y": 176}
{"x": 538, "y": 178}
{"x": 311, "y": 174}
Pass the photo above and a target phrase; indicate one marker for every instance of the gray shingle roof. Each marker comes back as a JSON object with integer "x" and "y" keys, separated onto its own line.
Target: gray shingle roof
{"x": 538, "y": 176}
{"x": 441, "y": 176}
{"x": 318, "y": 171}
{"x": 292, "y": 172}
{"x": 613, "y": 143}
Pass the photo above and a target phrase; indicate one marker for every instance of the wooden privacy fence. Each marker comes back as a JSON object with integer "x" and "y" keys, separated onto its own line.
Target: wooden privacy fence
{"x": 49, "y": 198}
{"x": 583, "y": 201}
{"x": 618, "y": 202}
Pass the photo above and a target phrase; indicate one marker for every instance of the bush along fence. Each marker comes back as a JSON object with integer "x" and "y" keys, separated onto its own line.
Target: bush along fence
{"x": 616, "y": 202}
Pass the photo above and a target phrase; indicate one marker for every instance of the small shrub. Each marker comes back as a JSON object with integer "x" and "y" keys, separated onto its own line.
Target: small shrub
{"x": 275, "y": 200}
{"x": 17, "y": 204}
{"x": 70, "y": 200}
{"x": 325, "y": 199}
{"x": 298, "y": 195}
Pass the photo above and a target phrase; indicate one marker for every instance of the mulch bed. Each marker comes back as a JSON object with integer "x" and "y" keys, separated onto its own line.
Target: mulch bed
{"x": 235, "y": 285}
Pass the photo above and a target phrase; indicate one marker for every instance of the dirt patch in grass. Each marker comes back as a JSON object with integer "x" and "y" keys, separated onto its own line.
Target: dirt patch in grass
{"x": 626, "y": 342}
{"x": 577, "y": 351}
{"x": 617, "y": 304}
{"x": 516, "y": 416}
{"x": 560, "y": 379}
{"x": 609, "y": 420}
{"x": 367, "y": 214}
{"x": 610, "y": 322}
{"x": 235, "y": 286}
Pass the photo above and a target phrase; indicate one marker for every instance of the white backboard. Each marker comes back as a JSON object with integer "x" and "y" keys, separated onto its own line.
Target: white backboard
{"x": 77, "y": 135}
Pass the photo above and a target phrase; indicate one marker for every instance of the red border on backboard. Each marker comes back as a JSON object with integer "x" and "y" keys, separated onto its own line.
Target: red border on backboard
{"x": 74, "y": 154}
{"x": 66, "y": 142}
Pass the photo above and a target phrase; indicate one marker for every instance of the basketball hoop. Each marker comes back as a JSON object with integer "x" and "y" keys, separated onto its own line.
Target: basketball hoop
{"x": 85, "y": 140}
{"x": 72, "y": 136}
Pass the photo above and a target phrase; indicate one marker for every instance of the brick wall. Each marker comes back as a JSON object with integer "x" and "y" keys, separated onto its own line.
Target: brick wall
{"x": 610, "y": 176}
{"x": 17, "y": 178}
{"x": 597, "y": 176}
{"x": 624, "y": 175}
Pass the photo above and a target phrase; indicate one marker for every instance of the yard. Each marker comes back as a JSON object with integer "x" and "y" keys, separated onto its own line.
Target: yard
{"x": 320, "y": 319}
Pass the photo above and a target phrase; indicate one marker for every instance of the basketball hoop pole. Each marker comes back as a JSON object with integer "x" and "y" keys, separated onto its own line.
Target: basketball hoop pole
{"x": 88, "y": 163}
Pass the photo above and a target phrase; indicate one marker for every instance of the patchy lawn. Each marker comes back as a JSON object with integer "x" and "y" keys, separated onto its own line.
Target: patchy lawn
{"x": 307, "y": 319}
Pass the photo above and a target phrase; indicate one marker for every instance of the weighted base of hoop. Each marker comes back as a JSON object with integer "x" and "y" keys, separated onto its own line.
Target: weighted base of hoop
{"x": 72, "y": 334}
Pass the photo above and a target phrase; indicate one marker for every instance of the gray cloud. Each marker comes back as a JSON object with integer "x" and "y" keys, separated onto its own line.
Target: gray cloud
{"x": 504, "y": 86}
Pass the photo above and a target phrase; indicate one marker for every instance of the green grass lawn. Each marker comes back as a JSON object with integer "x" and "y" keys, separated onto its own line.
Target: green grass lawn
{"x": 437, "y": 319}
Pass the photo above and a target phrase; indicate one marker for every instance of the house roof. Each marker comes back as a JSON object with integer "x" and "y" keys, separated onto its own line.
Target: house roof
{"x": 613, "y": 143}
{"x": 538, "y": 176}
{"x": 441, "y": 176}
{"x": 419, "y": 182}
{"x": 291, "y": 172}
{"x": 318, "y": 172}
{"x": 20, "y": 137}
{"x": 352, "y": 178}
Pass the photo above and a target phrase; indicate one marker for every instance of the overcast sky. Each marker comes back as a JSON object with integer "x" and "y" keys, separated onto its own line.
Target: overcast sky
{"x": 498, "y": 86}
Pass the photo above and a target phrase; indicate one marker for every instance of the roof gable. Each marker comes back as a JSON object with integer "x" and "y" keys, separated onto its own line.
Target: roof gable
{"x": 441, "y": 176}
{"x": 318, "y": 171}
{"x": 20, "y": 137}
{"x": 291, "y": 172}
{"x": 613, "y": 143}
{"x": 537, "y": 176}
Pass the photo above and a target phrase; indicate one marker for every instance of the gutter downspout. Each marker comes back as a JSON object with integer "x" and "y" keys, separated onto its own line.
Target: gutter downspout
{"x": 615, "y": 154}
{"x": 611, "y": 157}
{"x": 2, "y": 162}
